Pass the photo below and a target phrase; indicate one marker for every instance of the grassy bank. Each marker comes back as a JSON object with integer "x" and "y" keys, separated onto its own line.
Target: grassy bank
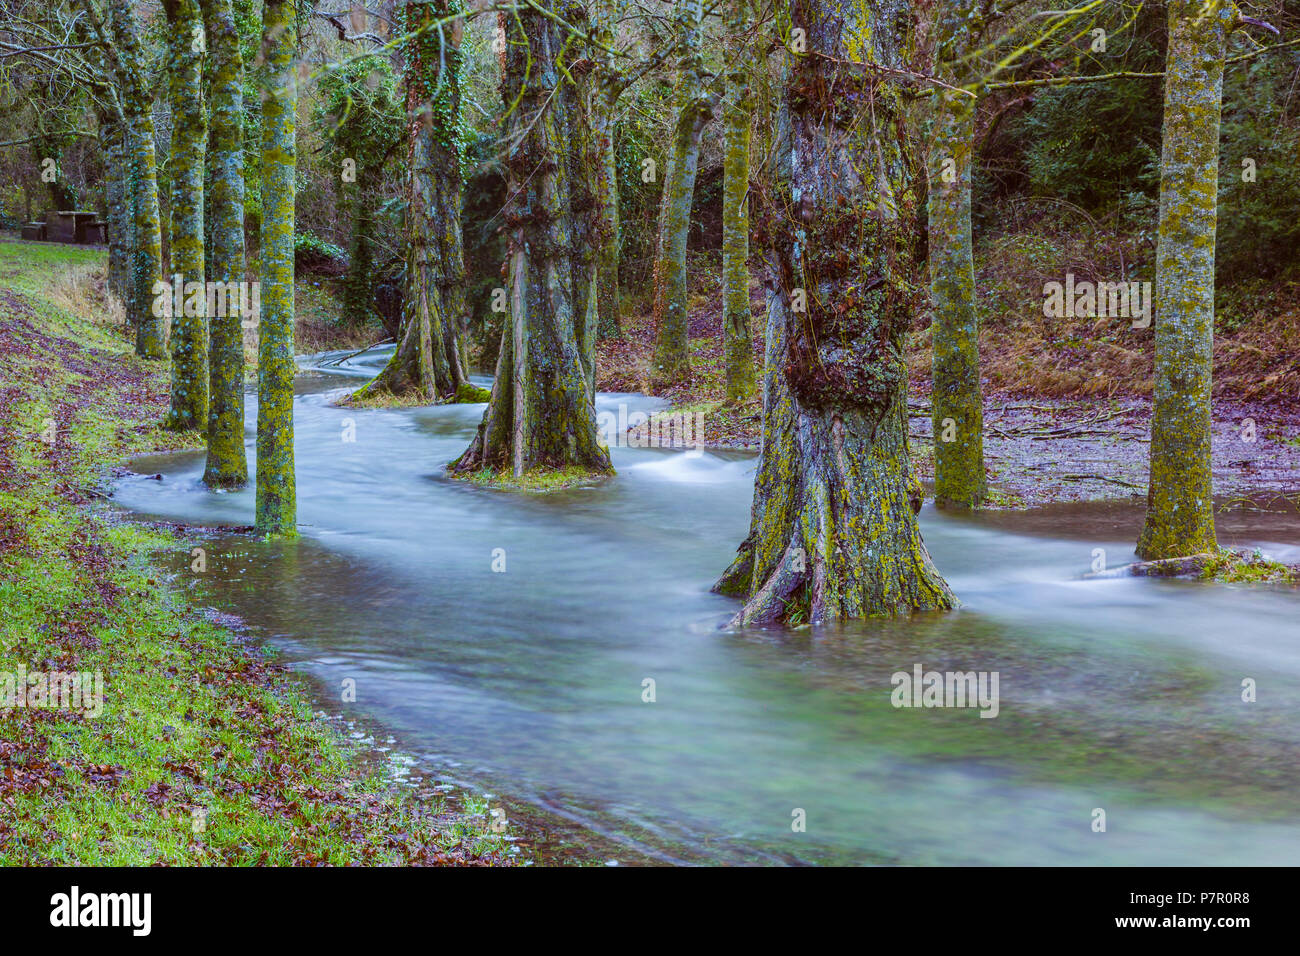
{"x": 205, "y": 751}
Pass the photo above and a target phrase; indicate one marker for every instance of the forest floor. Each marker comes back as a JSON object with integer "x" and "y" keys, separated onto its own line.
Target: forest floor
{"x": 1067, "y": 418}
{"x": 197, "y": 748}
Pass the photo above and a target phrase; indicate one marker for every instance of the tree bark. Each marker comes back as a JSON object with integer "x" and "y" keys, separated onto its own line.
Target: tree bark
{"x": 542, "y": 412}
{"x": 116, "y": 189}
{"x": 1180, "y": 494}
{"x": 227, "y": 465}
{"x": 737, "y": 113}
{"x": 956, "y": 401}
{"x": 146, "y": 257}
{"x": 358, "y": 285}
{"x": 427, "y": 363}
{"x": 276, "y": 487}
{"x": 833, "y": 532}
{"x": 671, "y": 363}
{"x": 605, "y": 97}
{"x": 189, "y": 337}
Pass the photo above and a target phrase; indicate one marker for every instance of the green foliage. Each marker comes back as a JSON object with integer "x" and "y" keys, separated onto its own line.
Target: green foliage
{"x": 634, "y": 142}
{"x": 1259, "y": 222}
{"x": 1093, "y": 144}
{"x": 435, "y": 71}
{"x": 313, "y": 254}
{"x": 359, "y": 112}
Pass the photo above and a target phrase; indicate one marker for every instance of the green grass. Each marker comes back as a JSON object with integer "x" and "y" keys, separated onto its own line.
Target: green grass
{"x": 206, "y": 751}
{"x": 1243, "y": 567}
{"x": 538, "y": 481}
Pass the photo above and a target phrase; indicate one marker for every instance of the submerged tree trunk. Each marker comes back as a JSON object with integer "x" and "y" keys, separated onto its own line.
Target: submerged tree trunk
{"x": 694, "y": 106}
{"x": 427, "y": 363}
{"x": 833, "y": 532}
{"x": 227, "y": 465}
{"x": 146, "y": 257}
{"x": 189, "y": 338}
{"x": 1180, "y": 505}
{"x": 737, "y": 113}
{"x": 276, "y": 488}
{"x": 956, "y": 402}
{"x": 541, "y": 413}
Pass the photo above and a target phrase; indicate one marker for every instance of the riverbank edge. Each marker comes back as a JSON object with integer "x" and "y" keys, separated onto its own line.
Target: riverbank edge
{"x": 204, "y": 749}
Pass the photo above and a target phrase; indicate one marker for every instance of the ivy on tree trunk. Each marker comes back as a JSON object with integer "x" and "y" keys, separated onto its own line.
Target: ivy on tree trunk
{"x": 429, "y": 360}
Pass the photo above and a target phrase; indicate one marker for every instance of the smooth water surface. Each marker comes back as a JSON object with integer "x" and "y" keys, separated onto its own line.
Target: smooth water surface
{"x": 1122, "y": 694}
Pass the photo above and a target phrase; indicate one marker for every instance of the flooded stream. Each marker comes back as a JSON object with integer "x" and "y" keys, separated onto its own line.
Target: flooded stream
{"x": 1120, "y": 694}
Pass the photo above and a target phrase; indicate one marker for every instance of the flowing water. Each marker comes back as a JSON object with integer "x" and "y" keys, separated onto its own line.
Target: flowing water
{"x": 1118, "y": 694}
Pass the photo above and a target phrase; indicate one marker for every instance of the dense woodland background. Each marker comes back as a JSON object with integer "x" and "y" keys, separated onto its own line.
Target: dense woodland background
{"x": 1066, "y": 178}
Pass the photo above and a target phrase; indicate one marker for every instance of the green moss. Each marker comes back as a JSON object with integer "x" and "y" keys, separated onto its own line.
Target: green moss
{"x": 468, "y": 394}
{"x": 277, "y": 497}
{"x": 1244, "y": 567}
{"x": 539, "y": 480}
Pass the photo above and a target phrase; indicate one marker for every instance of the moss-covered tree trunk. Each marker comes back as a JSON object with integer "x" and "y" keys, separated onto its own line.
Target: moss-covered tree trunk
{"x": 541, "y": 414}
{"x": 1180, "y": 504}
{"x": 116, "y": 188}
{"x": 276, "y": 488}
{"x": 189, "y": 337}
{"x": 427, "y": 363}
{"x": 131, "y": 73}
{"x": 694, "y": 108}
{"x": 737, "y": 114}
{"x": 227, "y": 465}
{"x": 833, "y": 532}
{"x": 606, "y": 95}
{"x": 956, "y": 401}
{"x": 359, "y": 284}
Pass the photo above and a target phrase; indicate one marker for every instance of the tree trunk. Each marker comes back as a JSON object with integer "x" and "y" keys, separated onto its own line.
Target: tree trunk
{"x": 956, "y": 402}
{"x": 189, "y": 338}
{"x": 62, "y": 195}
{"x": 605, "y": 101}
{"x": 1180, "y": 502}
{"x": 428, "y": 361}
{"x": 276, "y": 490}
{"x": 115, "y": 197}
{"x": 833, "y": 532}
{"x": 146, "y": 257}
{"x": 672, "y": 359}
{"x": 542, "y": 412}
{"x": 227, "y": 465}
{"x": 358, "y": 285}
{"x": 737, "y": 113}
